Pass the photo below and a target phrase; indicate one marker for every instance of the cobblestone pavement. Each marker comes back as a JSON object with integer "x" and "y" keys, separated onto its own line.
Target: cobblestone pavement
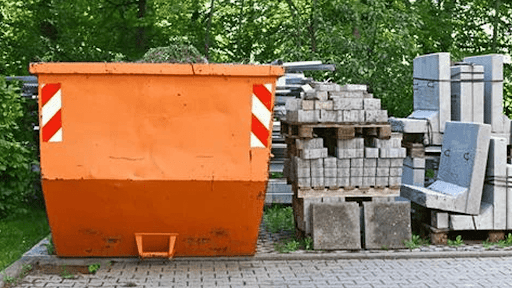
{"x": 458, "y": 272}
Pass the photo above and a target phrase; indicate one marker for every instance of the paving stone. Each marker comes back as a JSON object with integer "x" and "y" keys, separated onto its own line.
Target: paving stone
{"x": 386, "y": 224}
{"x": 369, "y": 162}
{"x": 293, "y": 104}
{"x": 343, "y": 181}
{"x": 343, "y": 163}
{"x": 313, "y": 143}
{"x": 371, "y": 152}
{"x": 375, "y": 116}
{"x": 324, "y": 105}
{"x": 355, "y": 116}
{"x": 347, "y": 103}
{"x": 308, "y": 105}
{"x": 371, "y": 104}
{"x": 328, "y": 116}
{"x": 356, "y": 181}
{"x": 313, "y": 153}
{"x": 336, "y": 226}
{"x": 330, "y": 173}
{"x": 330, "y": 162}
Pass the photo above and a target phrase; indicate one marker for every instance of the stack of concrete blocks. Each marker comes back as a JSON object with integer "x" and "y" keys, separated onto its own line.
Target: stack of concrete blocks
{"x": 332, "y": 103}
{"x": 323, "y": 178}
{"x": 474, "y": 94}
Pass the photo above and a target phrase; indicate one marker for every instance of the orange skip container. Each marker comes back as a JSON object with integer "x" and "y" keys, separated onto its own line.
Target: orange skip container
{"x": 131, "y": 152}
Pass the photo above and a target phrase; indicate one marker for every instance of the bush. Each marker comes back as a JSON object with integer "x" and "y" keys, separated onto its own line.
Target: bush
{"x": 17, "y": 154}
{"x": 177, "y": 52}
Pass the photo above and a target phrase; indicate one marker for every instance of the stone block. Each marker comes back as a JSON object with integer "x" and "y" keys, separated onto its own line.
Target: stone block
{"x": 371, "y": 152}
{"x": 497, "y": 158}
{"x": 301, "y": 163}
{"x": 440, "y": 195}
{"x": 386, "y": 224}
{"x": 302, "y": 116}
{"x": 313, "y": 153}
{"x": 333, "y": 199}
{"x": 330, "y": 182}
{"x": 432, "y": 85}
{"x": 356, "y": 181}
{"x": 303, "y": 172}
{"x": 493, "y": 88}
{"x": 330, "y": 173}
{"x": 430, "y": 118}
{"x": 369, "y": 171}
{"x": 317, "y": 182}
{"x": 328, "y": 116}
{"x": 347, "y": 103}
{"x": 381, "y": 181}
{"x": 496, "y": 195}
{"x": 328, "y": 87}
{"x": 317, "y": 163}
{"x": 330, "y": 162}
{"x": 369, "y": 162}
{"x": 357, "y": 163}
{"x": 339, "y": 116}
{"x": 343, "y": 163}
{"x": 343, "y": 172}
{"x": 368, "y": 181}
{"x": 464, "y": 153}
{"x": 406, "y": 125}
{"x": 293, "y": 104}
{"x": 354, "y": 116}
{"x": 343, "y": 181}
{"x": 324, "y": 105}
{"x": 312, "y": 143}
{"x": 395, "y": 172}
{"x": 317, "y": 172}
{"x": 349, "y": 153}
{"x": 439, "y": 220}
{"x": 396, "y": 162}
{"x": 322, "y": 95}
{"x": 392, "y": 152}
{"x": 356, "y": 172}
{"x": 308, "y": 104}
{"x": 354, "y": 87}
{"x": 395, "y": 181}
{"x": 413, "y": 176}
{"x": 383, "y": 162}
{"x": 482, "y": 221}
{"x": 304, "y": 182}
{"x": 509, "y": 197}
{"x": 353, "y": 143}
{"x": 376, "y": 116}
{"x": 414, "y": 162}
{"x": 307, "y": 88}
{"x": 382, "y": 172}
{"x": 371, "y": 104}
{"x": 336, "y": 226}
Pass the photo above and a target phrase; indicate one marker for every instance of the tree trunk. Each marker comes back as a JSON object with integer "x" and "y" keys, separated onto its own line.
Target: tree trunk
{"x": 207, "y": 40}
{"x": 495, "y": 27}
{"x": 141, "y": 31}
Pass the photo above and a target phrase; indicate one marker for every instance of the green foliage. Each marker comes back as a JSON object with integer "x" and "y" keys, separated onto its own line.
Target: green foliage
{"x": 290, "y": 245}
{"x": 49, "y": 246}
{"x": 276, "y": 175}
{"x": 178, "y": 52}
{"x": 65, "y": 274}
{"x": 457, "y": 242}
{"x": 429, "y": 173}
{"x": 416, "y": 242}
{"x": 94, "y": 267}
{"x": 20, "y": 233}
{"x": 17, "y": 153}
{"x": 507, "y": 242}
{"x": 278, "y": 218}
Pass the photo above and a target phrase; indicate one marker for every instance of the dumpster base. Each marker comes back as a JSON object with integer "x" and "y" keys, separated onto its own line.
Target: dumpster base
{"x": 98, "y": 218}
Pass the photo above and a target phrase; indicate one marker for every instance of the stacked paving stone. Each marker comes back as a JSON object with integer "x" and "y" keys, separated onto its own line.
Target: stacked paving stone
{"x": 341, "y": 152}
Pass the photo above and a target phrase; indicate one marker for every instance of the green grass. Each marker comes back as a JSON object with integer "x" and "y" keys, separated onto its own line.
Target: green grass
{"x": 20, "y": 233}
{"x": 278, "y": 218}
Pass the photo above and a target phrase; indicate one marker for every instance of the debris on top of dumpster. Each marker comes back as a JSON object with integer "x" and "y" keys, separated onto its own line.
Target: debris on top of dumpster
{"x": 177, "y": 52}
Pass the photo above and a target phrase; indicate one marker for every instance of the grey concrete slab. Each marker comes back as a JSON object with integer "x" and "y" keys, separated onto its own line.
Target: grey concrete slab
{"x": 467, "y": 93}
{"x": 328, "y": 116}
{"x": 485, "y": 220}
{"x": 336, "y": 226}
{"x": 413, "y": 176}
{"x": 371, "y": 104}
{"x": 313, "y": 153}
{"x": 493, "y": 88}
{"x": 439, "y": 219}
{"x": 406, "y": 125}
{"x": 495, "y": 192}
{"x": 509, "y": 197}
{"x": 460, "y": 177}
{"x": 293, "y": 104}
{"x": 460, "y": 222}
{"x": 324, "y": 105}
{"x": 348, "y": 104}
{"x": 386, "y": 224}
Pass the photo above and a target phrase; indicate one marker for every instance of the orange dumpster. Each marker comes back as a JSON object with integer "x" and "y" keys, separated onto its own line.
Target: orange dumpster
{"x": 132, "y": 152}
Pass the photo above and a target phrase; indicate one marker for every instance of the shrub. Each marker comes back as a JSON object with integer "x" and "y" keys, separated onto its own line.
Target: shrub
{"x": 17, "y": 154}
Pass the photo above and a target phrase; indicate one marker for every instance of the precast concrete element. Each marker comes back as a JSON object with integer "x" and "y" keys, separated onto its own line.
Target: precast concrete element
{"x": 461, "y": 177}
{"x": 336, "y": 226}
{"x": 386, "y": 224}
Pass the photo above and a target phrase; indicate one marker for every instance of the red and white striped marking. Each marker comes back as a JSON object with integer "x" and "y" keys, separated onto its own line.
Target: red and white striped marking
{"x": 51, "y": 121}
{"x": 261, "y": 115}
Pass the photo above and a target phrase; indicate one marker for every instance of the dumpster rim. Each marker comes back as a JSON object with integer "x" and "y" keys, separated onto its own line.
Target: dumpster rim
{"x": 213, "y": 69}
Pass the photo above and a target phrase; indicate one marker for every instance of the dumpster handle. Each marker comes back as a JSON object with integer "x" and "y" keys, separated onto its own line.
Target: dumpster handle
{"x": 168, "y": 254}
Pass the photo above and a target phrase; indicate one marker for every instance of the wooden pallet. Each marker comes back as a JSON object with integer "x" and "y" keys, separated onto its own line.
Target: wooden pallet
{"x": 414, "y": 150}
{"x": 337, "y": 130}
{"x": 440, "y": 236}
